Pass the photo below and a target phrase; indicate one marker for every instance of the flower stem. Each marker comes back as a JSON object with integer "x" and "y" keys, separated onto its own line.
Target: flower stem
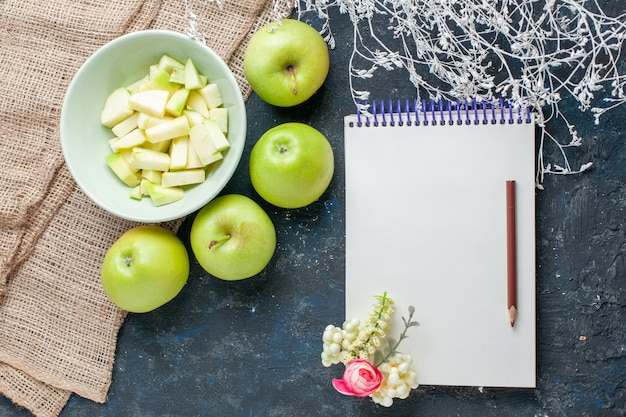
{"x": 407, "y": 323}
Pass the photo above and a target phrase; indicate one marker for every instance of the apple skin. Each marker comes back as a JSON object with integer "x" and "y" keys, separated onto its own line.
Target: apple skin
{"x": 233, "y": 238}
{"x": 145, "y": 268}
{"x": 291, "y": 165}
{"x": 286, "y": 63}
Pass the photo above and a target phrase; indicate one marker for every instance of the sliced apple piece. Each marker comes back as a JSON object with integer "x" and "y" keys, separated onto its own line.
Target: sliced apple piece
{"x": 193, "y": 117}
{"x": 138, "y": 85}
{"x": 167, "y": 63}
{"x": 193, "y": 161}
{"x": 193, "y": 81}
{"x": 212, "y": 95}
{"x": 163, "y": 195}
{"x": 142, "y": 119}
{"x": 142, "y": 158}
{"x": 153, "y": 70}
{"x": 184, "y": 177}
{"x": 125, "y": 153}
{"x": 220, "y": 115}
{"x": 178, "y": 76}
{"x": 161, "y": 81}
{"x": 176, "y": 104}
{"x": 217, "y": 136}
{"x": 135, "y": 192}
{"x": 202, "y": 143}
{"x": 126, "y": 126}
{"x": 122, "y": 170}
{"x": 116, "y": 108}
{"x": 150, "y": 102}
{"x": 168, "y": 130}
{"x": 178, "y": 152}
{"x": 152, "y": 175}
{"x": 217, "y": 156}
{"x": 130, "y": 140}
{"x": 144, "y": 187}
{"x": 162, "y": 146}
{"x": 145, "y": 121}
{"x": 196, "y": 102}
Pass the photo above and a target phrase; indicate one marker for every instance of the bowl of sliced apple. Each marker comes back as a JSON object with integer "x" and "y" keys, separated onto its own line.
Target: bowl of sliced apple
{"x": 153, "y": 126}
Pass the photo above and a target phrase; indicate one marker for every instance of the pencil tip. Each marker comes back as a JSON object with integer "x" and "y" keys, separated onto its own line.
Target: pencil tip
{"x": 512, "y": 315}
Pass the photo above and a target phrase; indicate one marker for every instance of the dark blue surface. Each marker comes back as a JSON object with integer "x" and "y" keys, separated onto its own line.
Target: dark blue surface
{"x": 252, "y": 348}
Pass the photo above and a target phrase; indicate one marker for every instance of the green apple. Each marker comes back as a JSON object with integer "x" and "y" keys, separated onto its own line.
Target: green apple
{"x": 232, "y": 237}
{"x": 145, "y": 268}
{"x": 286, "y": 63}
{"x": 291, "y": 165}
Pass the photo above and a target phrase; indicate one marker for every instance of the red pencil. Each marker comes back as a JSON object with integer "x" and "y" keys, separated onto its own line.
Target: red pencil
{"x": 511, "y": 251}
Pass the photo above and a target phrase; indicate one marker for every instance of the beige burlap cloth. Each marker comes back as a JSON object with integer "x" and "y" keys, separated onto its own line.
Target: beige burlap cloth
{"x": 58, "y": 331}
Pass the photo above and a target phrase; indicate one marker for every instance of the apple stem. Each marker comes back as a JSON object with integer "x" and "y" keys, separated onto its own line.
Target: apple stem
{"x": 217, "y": 242}
{"x": 292, "y": 73}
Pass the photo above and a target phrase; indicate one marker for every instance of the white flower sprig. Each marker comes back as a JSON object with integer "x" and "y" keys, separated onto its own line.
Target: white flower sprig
{"x": 533, "y": 52}
{"x": 359, "y": 346}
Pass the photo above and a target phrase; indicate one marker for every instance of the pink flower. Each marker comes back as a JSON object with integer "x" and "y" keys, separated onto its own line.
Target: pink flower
{"x": 361, "y": 378}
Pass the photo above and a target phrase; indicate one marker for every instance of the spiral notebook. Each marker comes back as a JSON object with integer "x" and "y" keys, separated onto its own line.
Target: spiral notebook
{"x": 426, "y": 222}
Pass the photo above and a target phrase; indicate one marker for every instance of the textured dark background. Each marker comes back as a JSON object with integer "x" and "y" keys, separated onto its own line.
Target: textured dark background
{"x": 251, "y": 348}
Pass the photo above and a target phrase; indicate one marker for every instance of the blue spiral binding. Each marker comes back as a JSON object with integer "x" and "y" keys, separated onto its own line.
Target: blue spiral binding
{"x": 408, "y": 112}
{"x": 441, "y": 112}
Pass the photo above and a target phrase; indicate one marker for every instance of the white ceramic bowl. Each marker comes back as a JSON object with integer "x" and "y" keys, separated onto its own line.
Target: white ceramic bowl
{"x": 85, "y": 141}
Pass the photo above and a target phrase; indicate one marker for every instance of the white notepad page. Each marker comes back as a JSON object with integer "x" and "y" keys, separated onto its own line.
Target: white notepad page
{"x": 426, "y": 222}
